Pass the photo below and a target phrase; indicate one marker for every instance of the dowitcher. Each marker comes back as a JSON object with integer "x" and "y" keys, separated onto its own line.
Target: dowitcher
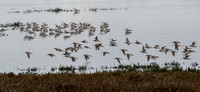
{"x": 105, "y": 52}
{"x": 86, "y": 56}
{"x": 137, "y": 42}
{"x": 73, "y": 58}
{"x": 123, "y": 51}
{"x": 143, "y": 50}
{"x": 58, "y": 49}
{"x": 28, "y": 54}
{"x": 147, "y": 46}
{"x": 148, "y": 57}
{"x": 118, "y": 59}
{"x": 129, "y": 55}
{"x": 96, "y": 39}
{"x": 51, "y": 55}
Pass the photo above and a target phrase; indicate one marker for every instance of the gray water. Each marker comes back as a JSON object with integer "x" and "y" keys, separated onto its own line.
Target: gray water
{"x": 151, "y": 21}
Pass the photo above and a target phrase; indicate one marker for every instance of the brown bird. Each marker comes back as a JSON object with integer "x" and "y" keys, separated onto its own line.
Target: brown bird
{"x": 193, "y": 44}
{"x": 96, "y": 39}
{"x": 73, "y": 49}
{"x": 137, "y": 42}
{"x": 28, "y": 54}
{"x": 51, "y": 55}
{"x": 173, "y": 52}
{"x": 75, "y": 44}
{"x": 147, "y": 46}
{"x": 186, "y": 57}
{"x": 97, "y": 46}
{"x": 143, "y": 50}
{"x": 84, "y": 41}
{"x": 87, "y": 47}
{"x": 128, "y": 55}
{"x": 118, "y": 59}
{"x": 148, "y": 57}
{"x": 176, "y": 43}
{"x": 58, "y": 49}
{"x": 123, "y": 51}
{"x": 128, "y": 42}
{"x": 156, "y": 47}
{"x": 105, "y": 52}
{"x": 73, "y": 59}
{"x": 113, "y": 40}
{"x": 162, "y": 49}
{"x": 166, "y": 50}
{"x": 154, "y": 57}
{"x": 86, "y": 56}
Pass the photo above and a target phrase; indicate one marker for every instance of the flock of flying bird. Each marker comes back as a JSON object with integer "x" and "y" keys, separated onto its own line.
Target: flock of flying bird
{"x": 77, "y": 28}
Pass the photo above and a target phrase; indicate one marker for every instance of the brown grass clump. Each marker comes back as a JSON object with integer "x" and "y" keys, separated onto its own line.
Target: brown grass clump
{"x": 103, "y": 81}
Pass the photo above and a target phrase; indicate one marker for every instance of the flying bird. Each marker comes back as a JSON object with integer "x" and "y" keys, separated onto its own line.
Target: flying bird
{"x": 105, "y": 52}
{"x": 51, "y": 55}
{"x": 86, "y": 56}
{"x": 28, "y": 54}
{"x": 118, "y": 59}
{"x": 128, "y": 55}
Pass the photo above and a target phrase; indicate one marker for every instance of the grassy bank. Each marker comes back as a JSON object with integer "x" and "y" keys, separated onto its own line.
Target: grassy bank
{"x": 104, "y": 81}
{"x": 137, "y": 78}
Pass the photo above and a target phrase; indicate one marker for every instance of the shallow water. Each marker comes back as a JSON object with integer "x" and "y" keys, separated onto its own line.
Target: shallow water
{"x": 152, "y": 22}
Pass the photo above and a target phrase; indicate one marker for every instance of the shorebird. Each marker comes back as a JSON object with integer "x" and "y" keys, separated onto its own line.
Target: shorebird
{"x": 75, "y": 44}
{"x": 154, "y": 57}
{"x": 127, "y": 41}
{"x": 148, "y": 57}
{"x": 173, "y": 52}
{"x": 143, "y": 50}
{"x": 162, "y": 49}
{"x": 193, "y": 44}
{"x": 96, "y": 39}
{"x": 156, "y": 47}
{"x": 123, "y": 51}
{"x": 97, "y": 46}
{"x": 86, "y": 56}
{"x": 176, "y": 43}
{"x": 186, "y": 57}
{"x": 137, "y": 42}
{"x": 58, "y": 49}
{"x": 84, "y": 41}
{"x": 87, "y": 47}
{"x": 73, "y": 49}
{"x": 73, "y": 59}
{"x": 118, "y": 59}
{"x": 113, "y": 44}
{"x": 105, "y": 52}
{"x": 28, "y": 54}
{"x": 51, "y": 55}
{"x": 129, "y": 55}
{"x": 166, "y": 50}
{"x": 147, "y": 46}
{"x": 113, "y": 40}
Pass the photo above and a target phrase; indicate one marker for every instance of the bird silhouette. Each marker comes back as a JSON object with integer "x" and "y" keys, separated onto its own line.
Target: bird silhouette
{"x": 173, "y": 52}
{"x": 105, "y": 52}
{"x": 137, "y": 42}
{"x": 143, "y": 50}
{"x": 124, "y": 51}
{"x": 128, "y": 55}
{"x": 51, "y": 55}
{"x": 73, "y": 59}
{"x": 148, "y": 57}
{"x": 86, "y": 56}
{"x": 96, "y": 39}
{"x": 28, "y": 54}
{"x": 58, "y": 49}
{"x": 118, "y": 59}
